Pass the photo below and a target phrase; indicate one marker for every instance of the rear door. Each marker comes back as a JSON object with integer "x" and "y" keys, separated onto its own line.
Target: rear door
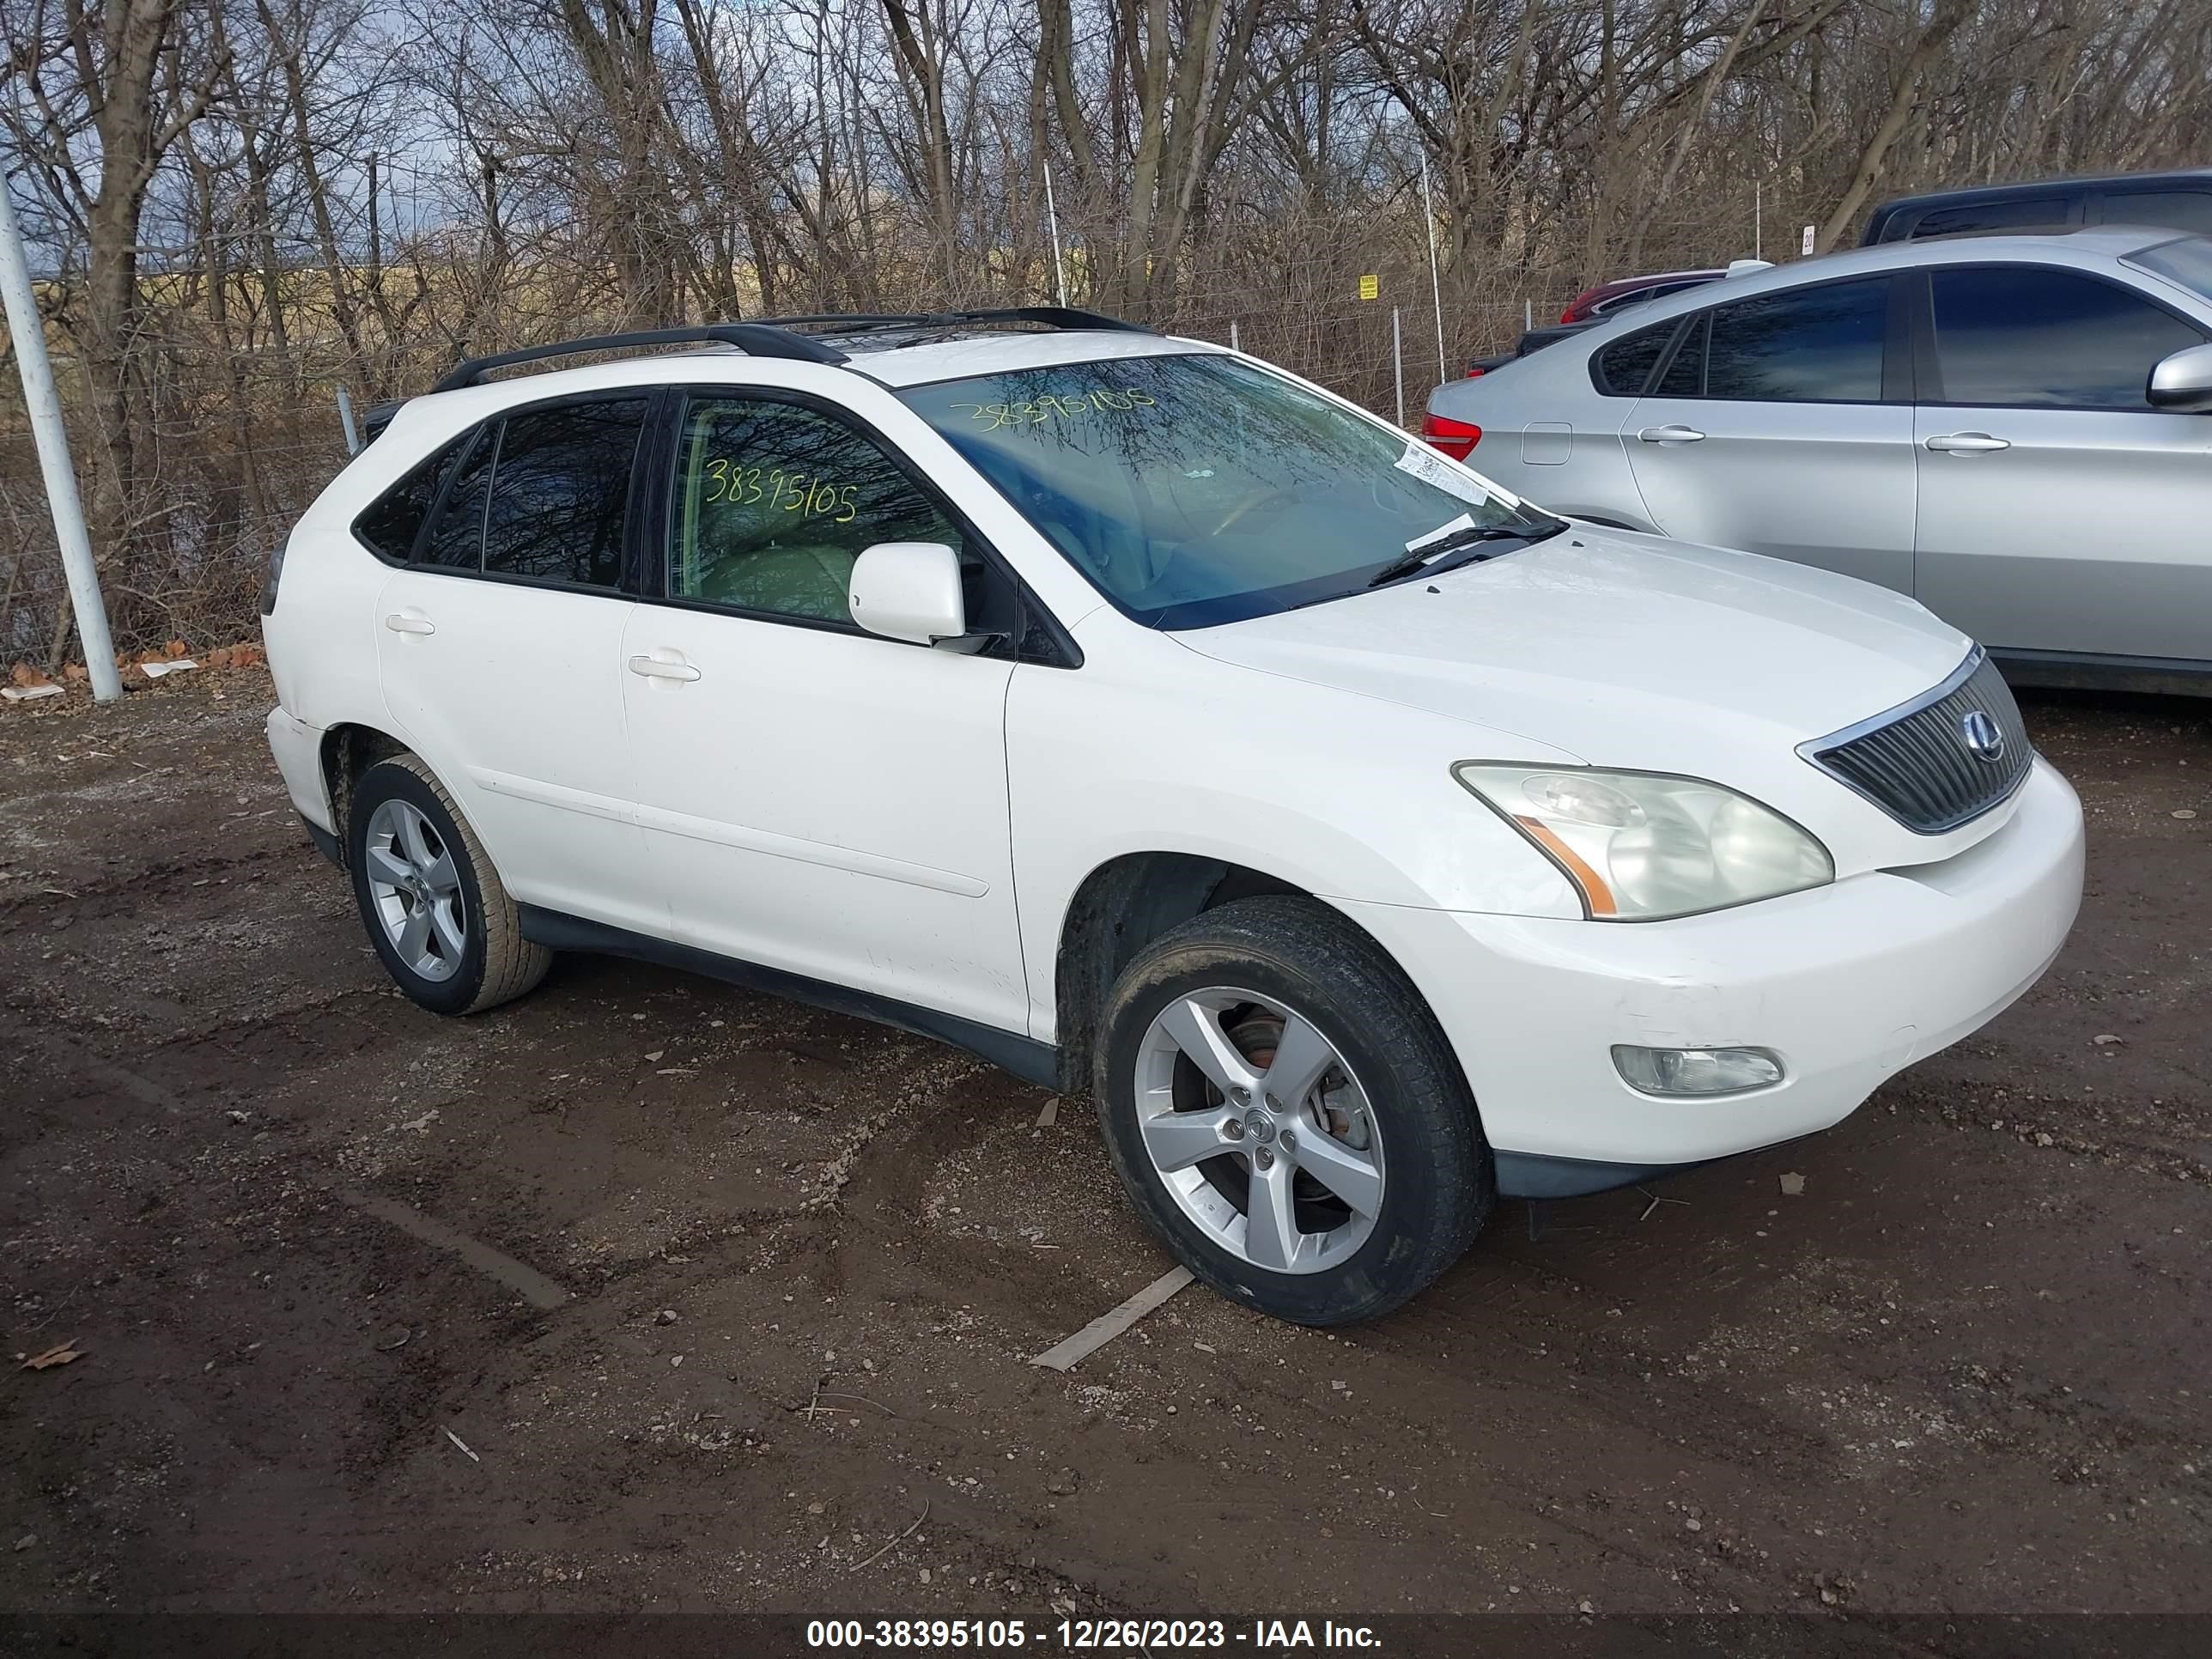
{"x": 499, "y": 648}
{"x": 1781, "y": 424}
{"x": 2059, "y": 511}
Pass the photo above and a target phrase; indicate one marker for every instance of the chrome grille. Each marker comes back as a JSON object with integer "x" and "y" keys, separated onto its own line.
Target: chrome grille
{"x": 1919, "y": 762}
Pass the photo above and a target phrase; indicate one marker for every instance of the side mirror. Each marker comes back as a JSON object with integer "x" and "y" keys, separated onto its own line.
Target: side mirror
{"x": 2182, "y": 382}
{"x": 910, "y": 591}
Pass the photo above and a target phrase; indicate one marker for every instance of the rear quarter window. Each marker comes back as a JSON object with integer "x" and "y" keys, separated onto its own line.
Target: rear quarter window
{"x": 1622, "y": 368}
{"x": 392, "y": 524}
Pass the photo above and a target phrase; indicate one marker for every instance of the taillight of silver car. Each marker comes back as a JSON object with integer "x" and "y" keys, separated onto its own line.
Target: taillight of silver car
{"x": 1457, "y": 439}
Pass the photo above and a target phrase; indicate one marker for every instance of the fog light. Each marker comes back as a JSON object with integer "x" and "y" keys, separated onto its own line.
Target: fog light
{"x": 1695, "y": 1071}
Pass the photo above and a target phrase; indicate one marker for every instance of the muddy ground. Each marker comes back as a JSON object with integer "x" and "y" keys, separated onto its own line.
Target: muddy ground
{"x": 300, "y": 1230}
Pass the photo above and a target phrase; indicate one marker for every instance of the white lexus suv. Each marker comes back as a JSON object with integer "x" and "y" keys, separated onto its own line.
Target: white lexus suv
{"x": 1366, "y": 843}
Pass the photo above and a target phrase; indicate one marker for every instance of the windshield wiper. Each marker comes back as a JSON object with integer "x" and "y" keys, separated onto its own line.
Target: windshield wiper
{"x": 1431, "y": 556}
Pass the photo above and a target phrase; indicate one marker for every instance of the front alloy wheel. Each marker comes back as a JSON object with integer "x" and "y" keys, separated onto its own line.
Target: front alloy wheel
{"x": 1286, "y": 1114}
{"x": 1259, "y": 1130}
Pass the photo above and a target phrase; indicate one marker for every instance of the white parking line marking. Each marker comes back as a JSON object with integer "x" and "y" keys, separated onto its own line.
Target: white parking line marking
{"x": 1063, "y": 1356}
{"x": 524, "y": 1280}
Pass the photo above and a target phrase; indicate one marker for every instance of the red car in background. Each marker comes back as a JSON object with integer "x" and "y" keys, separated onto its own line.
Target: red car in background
{"x": 1594, "y": 305}
{"x": 1607, "y": 298}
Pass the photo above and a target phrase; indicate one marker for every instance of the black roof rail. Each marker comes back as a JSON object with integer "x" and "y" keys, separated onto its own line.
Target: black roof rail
{"x": 759, "y": 339}
{"x": 1066, "y": 317}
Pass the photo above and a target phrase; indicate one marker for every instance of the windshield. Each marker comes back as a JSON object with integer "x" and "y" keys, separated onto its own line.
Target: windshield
{"x": 2187, "y": 261}
{"x": 1199, "y": 490}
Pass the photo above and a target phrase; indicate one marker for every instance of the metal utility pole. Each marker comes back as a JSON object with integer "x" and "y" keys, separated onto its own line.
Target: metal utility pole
{"x": 375, "y": 227}
{"x": 1436, "y": 283}
{"x": 29, "y": 331}
{"x": 1052, "y": 218}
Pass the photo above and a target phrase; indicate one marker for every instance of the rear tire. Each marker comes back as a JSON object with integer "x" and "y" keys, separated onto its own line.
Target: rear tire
{"x": 432, "y": 903}
{"x": 1323, "y": 1100}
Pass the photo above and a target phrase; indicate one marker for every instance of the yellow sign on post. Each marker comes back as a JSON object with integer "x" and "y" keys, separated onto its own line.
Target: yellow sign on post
{"x": 1370, "y": 288}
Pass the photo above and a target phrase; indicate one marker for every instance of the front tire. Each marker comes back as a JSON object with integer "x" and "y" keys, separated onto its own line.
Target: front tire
{"x": 432, "y": 904}
{"x": 1286, "y": 1114}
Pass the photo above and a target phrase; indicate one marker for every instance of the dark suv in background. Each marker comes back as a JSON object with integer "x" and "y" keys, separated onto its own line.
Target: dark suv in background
{"x": 2179, "y": 201}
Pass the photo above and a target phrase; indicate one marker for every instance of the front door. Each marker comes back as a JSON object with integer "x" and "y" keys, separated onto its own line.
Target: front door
{"x": 1769, "y": 430}
{"x": 499, "y": 648}
{"x": 816, "y": 799}
{"x": 2059, "y": 512}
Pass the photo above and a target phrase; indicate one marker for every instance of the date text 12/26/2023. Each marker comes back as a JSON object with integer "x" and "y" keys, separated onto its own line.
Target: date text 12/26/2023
{"x": 1092, "y": 1635}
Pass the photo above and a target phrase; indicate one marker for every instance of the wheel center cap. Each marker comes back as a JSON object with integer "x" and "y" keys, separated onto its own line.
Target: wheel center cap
{"x": 1259, "y": 1125}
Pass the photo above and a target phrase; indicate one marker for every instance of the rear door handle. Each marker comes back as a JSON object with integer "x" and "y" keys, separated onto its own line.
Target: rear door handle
{"x": 658, "y": 668}
{"x": 1671, "y": 434}
{"x": 1967, "y": 443}
{"x": 410, "y": 621}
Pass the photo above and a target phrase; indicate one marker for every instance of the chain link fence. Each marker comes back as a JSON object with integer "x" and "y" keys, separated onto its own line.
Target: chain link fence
{"x": 235, "y": 424}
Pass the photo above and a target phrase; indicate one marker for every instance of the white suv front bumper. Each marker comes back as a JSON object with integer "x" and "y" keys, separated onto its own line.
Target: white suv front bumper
{"x": 1848, "y": 984}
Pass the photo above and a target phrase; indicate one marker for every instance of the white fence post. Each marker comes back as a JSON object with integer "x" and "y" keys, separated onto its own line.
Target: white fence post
{"x": 29, "y": 331}
{"x": 1398, "y": 362}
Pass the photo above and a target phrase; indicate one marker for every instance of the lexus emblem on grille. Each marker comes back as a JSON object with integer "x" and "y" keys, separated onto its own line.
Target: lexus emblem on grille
{"x": 1984, "y": 739}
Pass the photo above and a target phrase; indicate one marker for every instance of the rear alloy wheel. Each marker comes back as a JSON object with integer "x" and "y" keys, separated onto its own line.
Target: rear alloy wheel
{"x": 1286, "y": 1115}
{"x": 416, "y": 887}
{"x": 434, "y": 907}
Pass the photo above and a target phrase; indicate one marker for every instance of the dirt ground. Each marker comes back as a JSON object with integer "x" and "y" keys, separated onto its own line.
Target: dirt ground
{"x": 301, "y": 1233}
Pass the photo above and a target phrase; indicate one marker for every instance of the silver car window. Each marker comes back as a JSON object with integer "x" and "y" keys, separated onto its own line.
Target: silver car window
{"x": 1621, "y": 369}
{"x": 2021, "y": 336}
{"x": 1821, "y": 345}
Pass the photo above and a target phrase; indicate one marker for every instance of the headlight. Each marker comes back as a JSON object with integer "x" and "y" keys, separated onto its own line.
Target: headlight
{"x": 1640, "y": 847}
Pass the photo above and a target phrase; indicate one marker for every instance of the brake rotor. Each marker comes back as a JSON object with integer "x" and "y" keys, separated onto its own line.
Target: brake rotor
{"x": 1258, "y": 1035}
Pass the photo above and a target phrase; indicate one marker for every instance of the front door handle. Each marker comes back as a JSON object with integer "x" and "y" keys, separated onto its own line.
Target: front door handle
{"x": 410, "y": 621}
{"x": 1671, "y": 434}
{"x": 658, "y": 668}
{"x": 1967, "y": 443}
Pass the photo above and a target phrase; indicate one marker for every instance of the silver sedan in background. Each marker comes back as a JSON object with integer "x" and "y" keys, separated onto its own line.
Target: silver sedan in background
{"x": 2014, "y": 430}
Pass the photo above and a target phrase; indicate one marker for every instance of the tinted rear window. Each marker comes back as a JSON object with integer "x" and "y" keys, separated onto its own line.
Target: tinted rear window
{"x": 1807, "y": 345}
{"x": 561, "y": 492}
{"x": 393, "y": 522}
{"x": 1686, "y": 374}
{"x": 456, "y": 541}
{"x": 1621, "y": 369}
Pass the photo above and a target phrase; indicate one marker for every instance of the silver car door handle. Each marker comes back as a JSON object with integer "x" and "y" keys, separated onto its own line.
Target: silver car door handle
{"x": 1671, "y": 434}
{"x": 409, "y": 622}
{"x": 654, "y": 668}
{"x": 1968, "y": 443}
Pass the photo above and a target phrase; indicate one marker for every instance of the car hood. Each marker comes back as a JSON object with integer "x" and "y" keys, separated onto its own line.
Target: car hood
{"x": 1634, "y": 652}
